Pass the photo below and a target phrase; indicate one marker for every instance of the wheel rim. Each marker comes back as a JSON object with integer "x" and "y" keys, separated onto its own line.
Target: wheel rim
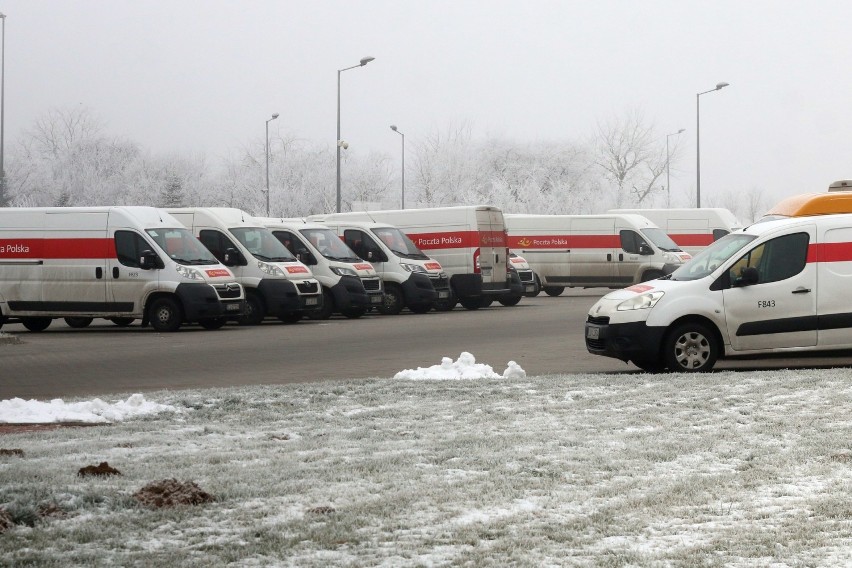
{"x": 692, "y": 350}
{"x": 164, "y": 315}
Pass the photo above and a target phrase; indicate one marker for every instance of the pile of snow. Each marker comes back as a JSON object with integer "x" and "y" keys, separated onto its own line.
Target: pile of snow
{"x": 19, "y": 411}
{"x": 465, "y": 367}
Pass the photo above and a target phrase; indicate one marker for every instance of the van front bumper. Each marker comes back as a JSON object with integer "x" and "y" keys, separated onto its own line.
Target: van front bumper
{"x": 200, "y": 301}
{"x": 634, "y": 341}
{"x": 282, "y": 297}
{"x": 418, "y": 290}
{"x": 350, "y": 293}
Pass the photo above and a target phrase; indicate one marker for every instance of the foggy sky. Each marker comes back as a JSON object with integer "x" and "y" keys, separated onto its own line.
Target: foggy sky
{"x": 203, "y": 76}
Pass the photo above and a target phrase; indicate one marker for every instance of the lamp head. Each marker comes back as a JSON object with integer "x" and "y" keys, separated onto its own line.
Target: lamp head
{"x": 681, "y": 130}
{"x": 720, "y": 85}
{"x": 274, "y": 116}
{"x": 365, "y": 60}
{"x": 393, "y": 127}
{"x": 343, "y": 144}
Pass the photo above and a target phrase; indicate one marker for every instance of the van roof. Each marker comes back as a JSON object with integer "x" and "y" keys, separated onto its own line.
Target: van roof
{"x": 809, "y": 204}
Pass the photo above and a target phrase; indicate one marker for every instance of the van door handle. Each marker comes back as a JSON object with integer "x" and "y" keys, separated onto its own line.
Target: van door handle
{"x": 620, "y": 257}
{"x": 608, "y": 257}
{"x": 99, "y": 272}
{"x": 801, "y": 290}
{"x": 115, "y": 272}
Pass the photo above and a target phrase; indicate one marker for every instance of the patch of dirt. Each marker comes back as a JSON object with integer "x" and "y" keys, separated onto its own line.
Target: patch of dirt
{"x": 102, "y": 469}
{"x": 17, "y": 452}
{"x": 322, "y": 510}
{"x": 5, "y": 521}
{"x": 37, "y": 427}
{"x": 171, "y": 492}
{"x": 46, "y": 510}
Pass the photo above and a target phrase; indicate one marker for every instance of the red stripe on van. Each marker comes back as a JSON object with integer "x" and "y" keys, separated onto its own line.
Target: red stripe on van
{"x": 532, "y": 242}
{"x": 692, "y": 240}
{"x": 830, "y": 252}
{"x": 57, "y": 248}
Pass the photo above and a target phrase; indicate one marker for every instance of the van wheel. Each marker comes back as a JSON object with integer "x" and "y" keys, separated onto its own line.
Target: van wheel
{"x": 212, "y": 323}
{"x": 690, "y": 347}
{"x": 255, "y": 311}
{"x": 484, "y": 302}
{"x": 165, "y": 315}
{"x": 652, "y": 275}
{"x": 122, "y": 322}
{"x": 471, "y": 303}
{"x": 554, "y": 291}
{"x": 354, "y": 313}
{"x": 510, "y": 300}
{"x": 650, "y": 366}
{"x": 36, "y": 324}
{"x": 393, "y": 302}
{"x": 420, "y": 308}
{"x": 79, "y": 322}
{"x": 446, "y": 304}
{"x": 292, "y": 317}
{"x": 327, "y": 308}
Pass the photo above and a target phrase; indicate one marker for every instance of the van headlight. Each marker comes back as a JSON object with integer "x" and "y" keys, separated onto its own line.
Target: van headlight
{"x": 188, "y": 273}
{"x": 641, "y": 302}
{"x": 413, "y": 267}
{"x": 340, "y": 271}
{"x": 270, "y": 269}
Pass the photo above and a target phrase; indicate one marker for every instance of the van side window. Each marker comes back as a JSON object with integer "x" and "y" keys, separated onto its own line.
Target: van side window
{"x": 358, "y": 242}
{"x": 631, "y": 241}
{"x": 292, "y": 242}
{"x": 217, "y": 243}
{"x": 129, "y": 247}
{"x": 775, "y": 260}
{"x": 719, "y": 233}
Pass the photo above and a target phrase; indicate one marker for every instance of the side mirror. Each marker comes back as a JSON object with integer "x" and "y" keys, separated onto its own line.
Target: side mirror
{"x": 233, "y": 257}
{"x": 748, "y": 277}
{"x": 149, "y": 259}
{"x": 307, "y": 258}
{"x": 645, "y": 250}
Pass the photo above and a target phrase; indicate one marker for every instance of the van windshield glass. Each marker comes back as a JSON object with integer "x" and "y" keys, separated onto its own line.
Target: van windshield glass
{"x": 262, "y": 244}
{"x": 398, "y": 243}
{"x": 182, "y": 246}
{"x": 708, "y": 260}
{"x": 661, "y": 239}
{"x": 328, "y": 244}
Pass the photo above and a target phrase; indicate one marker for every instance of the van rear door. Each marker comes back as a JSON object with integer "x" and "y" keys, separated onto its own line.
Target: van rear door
{"x": 492, "y": 245}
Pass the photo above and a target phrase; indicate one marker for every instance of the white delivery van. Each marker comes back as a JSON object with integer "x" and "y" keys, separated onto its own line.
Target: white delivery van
{"x": 350, "y": 285}
{"x": 777, "y": 286}
{"x": 119, "y": 263}
{"x": 276, "y": 283}
{"x": 587, "y": 251}
{"x": 468, "y": 241}
{"x": 411, "y": 279}
{"x": 692, "y": 229}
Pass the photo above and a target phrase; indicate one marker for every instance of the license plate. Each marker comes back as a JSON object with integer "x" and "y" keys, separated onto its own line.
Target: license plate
{"x": 530, "y": 288}
{"x": 443, "y": 294}
{"x": 486, "y": 271}
{"x": 232, "y": 307}
{"x": 593, "y": 332}
{"x": 376, "y": 300}
{"x": 311, "y": 301}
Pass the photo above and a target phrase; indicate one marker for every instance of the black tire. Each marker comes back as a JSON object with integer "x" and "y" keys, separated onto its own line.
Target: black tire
{"x": 420, "y": 308}
{"x": 690, "y": 348}
{"x": 354, "y": 313}
{"x": 324, "y": 312}
{"x": 78, "y": 322}
{"x": 650, "y": 366}
{"x": 446, "y": 304}
{"x": 36, "y": 324}
{"x": 122, "y": 322}
{"x": 652, "y": 275}
{"x": 164, "y": 314}
{"x": 553, "y": 291}
{"x": 471, "y": 303}
{"x": 212, "y": 323}
{"x": 510, "y": 300}
{"x": 255, "y": 310}
{"x": 293, "y": 317}
{"x": 485, "y": 301}
{"x": 392, "y": 302}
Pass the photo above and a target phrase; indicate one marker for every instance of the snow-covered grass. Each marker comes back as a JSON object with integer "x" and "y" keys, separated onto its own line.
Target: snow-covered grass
{"x": 725, "y": 469}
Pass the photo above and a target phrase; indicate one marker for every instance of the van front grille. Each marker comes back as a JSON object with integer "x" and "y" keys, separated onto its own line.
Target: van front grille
{"x": 598, "y": 320}
{"x": 526, "y": 275}
{"x": 228, "y": 291}
{"x": 308, "y": 287}
{"x": 371, "y": 284}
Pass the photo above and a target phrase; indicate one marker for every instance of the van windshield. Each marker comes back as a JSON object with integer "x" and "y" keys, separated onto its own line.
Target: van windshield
{"x": 661, "y": 239}
{"x": 328, "y": 244}
{"x": 398, "y": 243}
{"x": 708, "y": 260}
{"x": 182, "y": 246}
{"x": 262, "y": 244}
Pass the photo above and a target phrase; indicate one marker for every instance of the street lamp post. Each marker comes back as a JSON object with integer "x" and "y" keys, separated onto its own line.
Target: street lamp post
{"x": 668, "y": 183}
{"x": 274, "y": 116}
{"x": 393, "y": 127}
{"x": 698, "y": 142}
{"x": 3, "y": 196}
{"x": 364, "y": 61}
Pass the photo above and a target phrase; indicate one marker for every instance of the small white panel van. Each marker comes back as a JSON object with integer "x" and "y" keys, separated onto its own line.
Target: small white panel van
{"x": 692, "y": 229}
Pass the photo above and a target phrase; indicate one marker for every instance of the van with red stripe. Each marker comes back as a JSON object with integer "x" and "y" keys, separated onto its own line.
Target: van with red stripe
{"x": 588, "y": 251}
{"x": 468, "y": 241}
{"x": 277, "y": 284}
{"x": 411, "y": 279}
{"x": 350, "y": 286}
{"x": 119, "y": 263}
{"x": 692, "y": 229}
{"x": 777, "y": 286}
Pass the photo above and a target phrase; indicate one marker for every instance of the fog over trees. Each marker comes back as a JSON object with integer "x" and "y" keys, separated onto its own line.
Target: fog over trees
{"x": 66, "y": 159}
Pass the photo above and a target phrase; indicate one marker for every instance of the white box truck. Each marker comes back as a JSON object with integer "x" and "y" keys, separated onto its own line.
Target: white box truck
{"x": 118, "y": 263}
{"x": 778, "y": 286}
{"x": 692, "y": 229}
{"x": 350, "y": 286}
{"x": 592, "y": 250}
{"x": 411, "y": 279}
{"x": 468, "y": 241}
{"x": 276, "y": 283}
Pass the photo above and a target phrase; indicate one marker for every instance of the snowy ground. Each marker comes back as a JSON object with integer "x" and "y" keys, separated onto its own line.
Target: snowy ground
{"x": 726, "y": 469}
